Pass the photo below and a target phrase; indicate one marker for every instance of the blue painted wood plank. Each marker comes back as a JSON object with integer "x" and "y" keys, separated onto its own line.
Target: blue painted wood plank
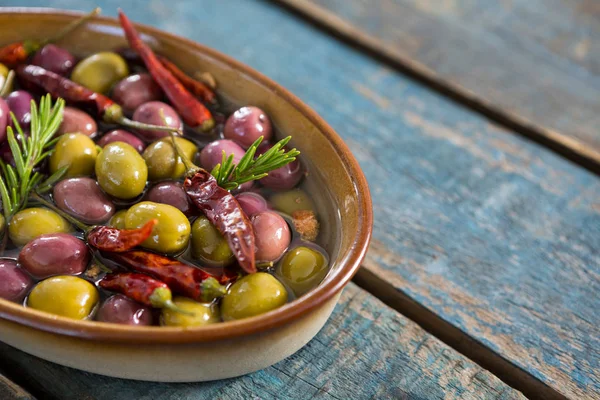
{"x": 365, "y": 351}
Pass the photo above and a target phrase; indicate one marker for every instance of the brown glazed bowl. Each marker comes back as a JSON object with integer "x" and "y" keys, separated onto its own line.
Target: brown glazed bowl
{"x": 227, "y": 349}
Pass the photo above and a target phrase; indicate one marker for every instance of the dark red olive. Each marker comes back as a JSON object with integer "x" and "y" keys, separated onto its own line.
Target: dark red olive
{"x": 252, "y": 203}
{"x": 4, "y": 118}
{"x": 75, "y": 120}
{"x": 246, "y": 125}
{"x": 55, "y": 59}
{"x": 272, "y": 235}
{"x": 19, "y": 103}
{"x": 172, "y": 193}
{"x": 121, "y": 135}
{"x": 14, "y": 282}
{"x": 83, "y": 199}
{"x": 54, "y": 254}
{"x": 119, "y": 309}
{"x": 284, "y": 178}
{"x": 136, "y": 90}
{"x": 150, "y": 113}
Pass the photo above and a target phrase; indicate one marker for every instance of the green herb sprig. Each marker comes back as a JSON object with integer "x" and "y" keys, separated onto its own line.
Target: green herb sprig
{"x": 16, "y": 183}
{"x": 230, "y": 175}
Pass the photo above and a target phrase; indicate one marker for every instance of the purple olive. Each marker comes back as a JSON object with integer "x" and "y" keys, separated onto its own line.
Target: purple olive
{"x": 75, "y": 120}
{"x": 83, "y": 199}
{"x": 272, "y": 235}
{"x": 212, "y": 154}
{"x": 136, "y": 90}
{"x": 14, "y": 282}
{"x": 121, "y": 135}
{"x": 252, "y": 203}
{"x": 246, "y": 125}
{"x": 6, "y": 152}
{"x": 54, "y": 254}
{"x": 19, "y": 103}
{"x": 171, "y": 193}
{"x": 119, "y": 309}
{"x": 4, "y": 118}
{"x": 284, "y": 178}
{"x": 55, "y": 59}
{"x": 149, "y": 113}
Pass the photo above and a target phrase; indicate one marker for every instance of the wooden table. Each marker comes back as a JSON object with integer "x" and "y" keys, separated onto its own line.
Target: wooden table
{"x": 476, "y": 123}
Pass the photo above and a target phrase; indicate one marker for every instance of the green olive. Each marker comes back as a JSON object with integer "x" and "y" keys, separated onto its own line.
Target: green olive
{"x": 100, "y": 71}
{"x": 208, "y": 243}
{"x": 252, "y": 295}
{"x": 290, "y": 201}
{"x": 2, "y": 222}
{"x": 302, "y": 268}
{"x": 118, "y": 220}
{"x": 3, "y": 74}
{"x": 121, "y": 171}
{"x": 172, "y": 232}
{"x": 64, "y": 295}
{"x": 77, "y": 151}
{"x": 162, "y": 161}
{"x": 204, "y": 313}
{"x": 30, "y": 223}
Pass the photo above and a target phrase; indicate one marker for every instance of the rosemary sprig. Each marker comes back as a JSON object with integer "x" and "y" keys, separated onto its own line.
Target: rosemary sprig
{"x": 229, "y": 175}
{"x": 16, "y": 183}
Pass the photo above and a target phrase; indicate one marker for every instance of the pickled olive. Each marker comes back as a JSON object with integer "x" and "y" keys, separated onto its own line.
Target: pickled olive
{"x": 212, "y": 154}
{"x": 136, "y": 90}
{"x": 171, "y": 193}
{"x": 290, "y": 201}
{"x": 203, "y": 313}
{"x": 55, "y": 59}
{"x": 100, "y": 71}
{"x": 54, "y": 254}
{"x": 152, "y": 113}
{"x": 118, "y": 220}
{"x": 77, "y": 151}
{"x": 77, "y": 121}
{"x": 14, "y": 282}
{"x": 4, "y": 119}
{"x": 162, "y": 161}
{"x": 121, "y": 135}
{"x": 283, "y": 178}
{"x": 208, "y": 243}
{"x": 252, "y": 203}
{"x": 272, "y": 235}
{"x": 83, "y": 199}
{"x": 172, "y": 232}
{"x": 246, "y": 125}
{"x": 30, "y": 223}
{"x": 19, "y": 103}
{"x": 253, "y": 295}
{"x": 301, "y": 269}
{"x": 64, "y": 295}
{"x": 121, "y": 171}
{"x": 120, "y": 309}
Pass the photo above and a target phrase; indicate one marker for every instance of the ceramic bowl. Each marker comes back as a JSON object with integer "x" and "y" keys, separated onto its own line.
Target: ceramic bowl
{"x": 228, "y": 349}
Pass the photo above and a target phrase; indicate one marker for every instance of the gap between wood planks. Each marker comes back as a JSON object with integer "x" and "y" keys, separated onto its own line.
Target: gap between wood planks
{"x": 327, "y": 21}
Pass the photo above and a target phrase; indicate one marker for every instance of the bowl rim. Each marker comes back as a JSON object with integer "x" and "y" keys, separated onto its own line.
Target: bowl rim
{"x": 349, "y": 263}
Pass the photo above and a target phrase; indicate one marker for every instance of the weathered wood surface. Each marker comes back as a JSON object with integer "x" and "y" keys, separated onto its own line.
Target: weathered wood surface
{"x": 365, "y": 351}
{"x": 11, "y": 391}
{"x": 535, "y": 62}
{"x": 495, "y": 234}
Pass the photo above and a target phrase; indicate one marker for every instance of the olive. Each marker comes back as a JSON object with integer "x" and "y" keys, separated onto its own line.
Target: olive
{"x": 19, "y": 103}
{"x": 150, "y": 113}
{"x": 282, "y": 178}
{"x": 272, "y": 235}
{"x": 4, "y": 118}
{"x": 64, "y": 295}
{"x": 208, "y": 244}
{"x": 301, "y": 269}
{"x": 54, "y": 254}
{"x": 204, "y": 313}
{"x": 3, "y": 74}
{"x": 14, "y": 282}
{"x": 172, "y": 193}
{"x": 118, "y": 220}
{"x": 172, "y": 232}
{"x": 120, "y": 309}
{"x": 290, "y": 201}
{"x": 246, "y": 125}
{"x": 83, "y": 199}
{"x": 136, "y": 90}
{"x": 100, "y": 71}
{"x": 77, "y": 121}
{"x": 212, "y": 155}
{"x": 30, "y": 223}
{"x": 121, "y": 171}
{"x": 163, "y": 162}
{"x": 252, "y": 203}
{"x": 252, "y": 295}
{"x": 77, "y": 151}
{"x": 121, "y": 135}
{"x": 55, "y": 59}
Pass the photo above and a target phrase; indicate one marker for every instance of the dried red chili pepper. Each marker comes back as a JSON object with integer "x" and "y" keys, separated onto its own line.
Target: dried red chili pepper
{"x": 181, "y": 278}
{"x": 197, "y": 88}
{"x": 73, "y": 93}
{"x": 192, "y": 111}
{"x": 116, "y": 240}
{"x": 141, "y": 288}
{"x": 17, "y": 53}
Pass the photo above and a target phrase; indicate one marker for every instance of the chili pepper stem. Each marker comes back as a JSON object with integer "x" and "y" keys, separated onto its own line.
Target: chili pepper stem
{"x": 212, "y": 289}
{"x": 8, "y": 84}
{"x": 71, "y": 219}
{"x": 71, "y": 27}
{"x": 161, "y": 298}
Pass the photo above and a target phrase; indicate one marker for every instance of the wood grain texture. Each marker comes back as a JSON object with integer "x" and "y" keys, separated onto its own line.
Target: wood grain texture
{"x": 11, "y": 391}
{"x": 493, "y": 233}
{"x": 365, "y": 351}
{"x": 531, "y": 65}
